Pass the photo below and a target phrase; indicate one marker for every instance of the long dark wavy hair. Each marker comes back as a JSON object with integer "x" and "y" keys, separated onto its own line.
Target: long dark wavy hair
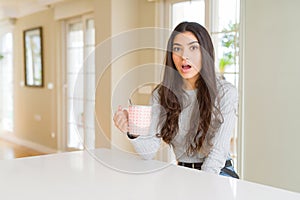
{"x": 206, "y": 120}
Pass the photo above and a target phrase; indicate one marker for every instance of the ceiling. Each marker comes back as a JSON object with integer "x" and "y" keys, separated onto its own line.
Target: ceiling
{"x": 20, "y": 8}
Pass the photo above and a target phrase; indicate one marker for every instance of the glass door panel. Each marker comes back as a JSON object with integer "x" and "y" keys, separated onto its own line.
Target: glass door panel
{"x": 81, "y": 84}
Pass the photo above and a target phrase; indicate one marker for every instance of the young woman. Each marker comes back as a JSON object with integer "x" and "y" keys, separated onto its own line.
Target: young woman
{"x": 192, "y": 110}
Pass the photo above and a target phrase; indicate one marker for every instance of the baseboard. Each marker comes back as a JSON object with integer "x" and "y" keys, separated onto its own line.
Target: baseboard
{"x": 38, "y": 147}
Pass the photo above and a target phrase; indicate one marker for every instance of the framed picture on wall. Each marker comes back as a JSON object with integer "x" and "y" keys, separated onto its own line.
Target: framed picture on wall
{"x": 33, "y": 57}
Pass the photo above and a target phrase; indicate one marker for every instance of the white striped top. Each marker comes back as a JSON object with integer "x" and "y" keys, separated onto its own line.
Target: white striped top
{"x": 147, "y": 146}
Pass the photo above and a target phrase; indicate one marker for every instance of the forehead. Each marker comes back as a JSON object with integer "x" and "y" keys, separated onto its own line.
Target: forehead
{"x": 185, "y": 38}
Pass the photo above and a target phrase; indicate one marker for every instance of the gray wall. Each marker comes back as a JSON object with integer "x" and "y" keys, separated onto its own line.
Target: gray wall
{"x": 271, "y": 92}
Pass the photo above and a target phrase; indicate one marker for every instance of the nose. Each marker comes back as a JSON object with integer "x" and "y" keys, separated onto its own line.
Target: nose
{"x": 184, "y": 55}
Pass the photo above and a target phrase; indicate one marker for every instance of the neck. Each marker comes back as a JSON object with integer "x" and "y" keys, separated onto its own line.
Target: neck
{"x": 190, "y": 83}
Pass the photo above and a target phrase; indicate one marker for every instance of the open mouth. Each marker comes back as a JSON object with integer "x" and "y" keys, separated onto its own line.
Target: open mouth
{"x": 186, "y": 68}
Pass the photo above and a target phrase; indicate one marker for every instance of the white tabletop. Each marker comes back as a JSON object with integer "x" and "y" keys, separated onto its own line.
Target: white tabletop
{"x": 111, "y": 174}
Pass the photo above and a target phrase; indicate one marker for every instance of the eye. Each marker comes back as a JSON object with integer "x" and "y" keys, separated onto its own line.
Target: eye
{"x": 194, "y": 47}
{"x": 176, "y": 49}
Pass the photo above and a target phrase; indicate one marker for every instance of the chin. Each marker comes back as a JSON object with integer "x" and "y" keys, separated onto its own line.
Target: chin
{"x": 188, "y": 76}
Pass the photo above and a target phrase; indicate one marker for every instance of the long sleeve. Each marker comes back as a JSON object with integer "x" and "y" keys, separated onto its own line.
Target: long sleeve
{"x": 215, "y": 160}
{"x": 147, "y": 146}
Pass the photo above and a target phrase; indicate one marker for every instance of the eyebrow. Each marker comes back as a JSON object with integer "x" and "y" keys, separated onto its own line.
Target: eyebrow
{"x": 188, "y": 43}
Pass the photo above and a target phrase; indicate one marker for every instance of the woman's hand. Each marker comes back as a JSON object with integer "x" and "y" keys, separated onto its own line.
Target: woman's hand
{"x": 121, "y": 119}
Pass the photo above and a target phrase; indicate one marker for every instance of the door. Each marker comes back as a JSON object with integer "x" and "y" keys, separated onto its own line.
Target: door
{"x": 79, "y": 84}
{"x": 6, "y": 82}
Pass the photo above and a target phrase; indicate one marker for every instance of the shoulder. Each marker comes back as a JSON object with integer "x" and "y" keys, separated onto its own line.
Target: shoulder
{"x": 227, "y": 91}
{"x": 225, "y": 88}
{"x": 155, "y": 95}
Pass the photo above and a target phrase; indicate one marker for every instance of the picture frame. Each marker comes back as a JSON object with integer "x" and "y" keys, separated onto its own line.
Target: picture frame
{"x": 33, "y": 57}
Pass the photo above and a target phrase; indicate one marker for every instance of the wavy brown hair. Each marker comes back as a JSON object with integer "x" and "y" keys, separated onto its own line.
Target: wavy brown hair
{"x": 206, "y": 120}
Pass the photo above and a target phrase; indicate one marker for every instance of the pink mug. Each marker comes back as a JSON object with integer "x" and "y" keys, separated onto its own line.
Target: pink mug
{"x": 139, "y": 118}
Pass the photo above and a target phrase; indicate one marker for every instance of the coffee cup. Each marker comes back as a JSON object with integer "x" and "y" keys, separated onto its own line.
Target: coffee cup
{"x": 139, "y": 118}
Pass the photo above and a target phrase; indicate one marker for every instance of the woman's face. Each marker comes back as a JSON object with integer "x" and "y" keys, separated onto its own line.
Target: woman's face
{"x": 186, "y": 55}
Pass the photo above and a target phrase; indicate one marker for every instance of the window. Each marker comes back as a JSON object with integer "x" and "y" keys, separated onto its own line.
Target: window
{"x": 189, "y": 11}
{"x": 80, "y": 81}
{"x": 225, "y": 35}
{"x": 221, "y": 18}
{"x": 6, "y": 82}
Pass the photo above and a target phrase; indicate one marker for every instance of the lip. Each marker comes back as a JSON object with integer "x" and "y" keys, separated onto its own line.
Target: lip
{"x": 186, "y": 68}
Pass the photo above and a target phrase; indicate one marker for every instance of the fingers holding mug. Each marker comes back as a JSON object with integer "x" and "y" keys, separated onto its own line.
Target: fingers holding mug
{"x": 121, "y": 120}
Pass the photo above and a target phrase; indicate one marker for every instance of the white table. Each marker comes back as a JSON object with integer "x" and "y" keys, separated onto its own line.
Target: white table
{"x": 111, "y": 174}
